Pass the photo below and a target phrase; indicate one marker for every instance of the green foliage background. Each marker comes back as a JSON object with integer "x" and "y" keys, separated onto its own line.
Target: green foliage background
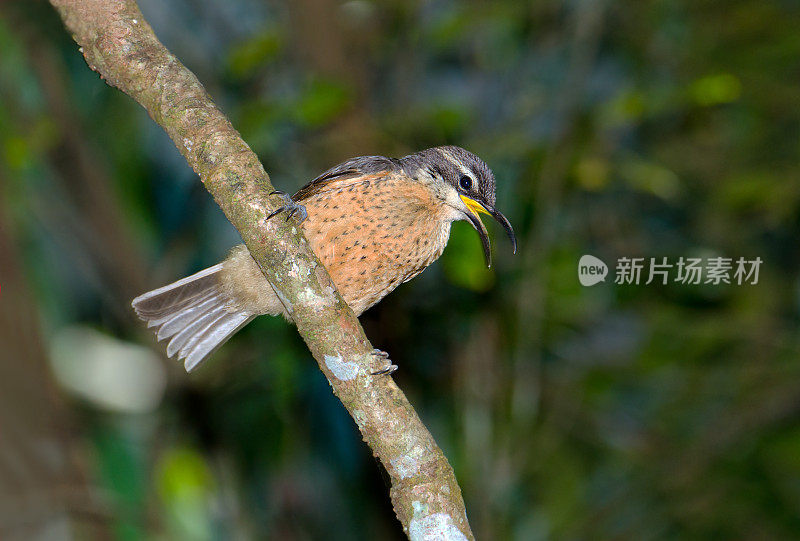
{"x": 644, "y": 128}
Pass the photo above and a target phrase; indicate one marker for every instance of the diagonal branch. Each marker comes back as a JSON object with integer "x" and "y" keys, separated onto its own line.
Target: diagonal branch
{"x": 119, "y": 44}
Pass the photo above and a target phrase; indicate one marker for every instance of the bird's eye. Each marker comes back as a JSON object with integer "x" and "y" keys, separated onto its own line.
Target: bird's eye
{"x": 465, "y": 183}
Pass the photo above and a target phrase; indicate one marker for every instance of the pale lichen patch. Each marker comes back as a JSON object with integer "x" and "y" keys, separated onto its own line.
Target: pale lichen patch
{"x": 309, "y": 297}
{"x": 359, "y": 417}
{"x": 343, "y": 370}
{"x": 407, "y": 465}
{"x": 435, "y": 527}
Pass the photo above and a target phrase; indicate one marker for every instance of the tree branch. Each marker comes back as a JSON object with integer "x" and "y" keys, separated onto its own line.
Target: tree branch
{"x": 119, "y": 44}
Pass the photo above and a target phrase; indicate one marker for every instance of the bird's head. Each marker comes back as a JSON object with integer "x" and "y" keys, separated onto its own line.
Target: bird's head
{"x": 465, "y": 184}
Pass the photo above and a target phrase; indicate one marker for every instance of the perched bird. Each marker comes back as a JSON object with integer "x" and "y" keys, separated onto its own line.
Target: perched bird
{"x": 374, "y": 222}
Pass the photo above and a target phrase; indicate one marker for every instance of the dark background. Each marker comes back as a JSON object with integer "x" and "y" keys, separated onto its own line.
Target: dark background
{"x": 640, "y": 128}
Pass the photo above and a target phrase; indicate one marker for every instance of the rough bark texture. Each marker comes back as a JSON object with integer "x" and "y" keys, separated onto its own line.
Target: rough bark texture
{"x": 119, "y": 44}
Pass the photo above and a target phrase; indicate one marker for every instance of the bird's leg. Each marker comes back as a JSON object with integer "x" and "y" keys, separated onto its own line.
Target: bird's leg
{"x": 290, "y": 206}
{"x": 385, "y": 371}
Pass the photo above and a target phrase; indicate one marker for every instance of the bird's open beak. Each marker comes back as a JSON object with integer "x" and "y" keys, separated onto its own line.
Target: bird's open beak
{"x": 477, "y": 208}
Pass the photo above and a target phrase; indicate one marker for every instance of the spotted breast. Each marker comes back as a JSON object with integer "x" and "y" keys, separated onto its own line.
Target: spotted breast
{"x": 372, "y": 232}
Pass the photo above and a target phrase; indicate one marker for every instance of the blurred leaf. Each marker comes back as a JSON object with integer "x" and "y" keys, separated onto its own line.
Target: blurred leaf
{"x": 627, "y": 106}
{"x": 123, "y": 471}
{"x": 782, "y": 459}
{"x": 185, "y": 486}
{"x": 17, "y": 152}
{"x": 716, "y": 89}
{"x": 446, "y": 29}
{"x": 774, "y": 194}
{"x": 592, "y": 173}
{"x": 322, "y": 101}
{"x": 247, "y": 57}
{"x": 650, "y": 177}
{"x": 450, "y": 119}
{"x": 183, "y": 474}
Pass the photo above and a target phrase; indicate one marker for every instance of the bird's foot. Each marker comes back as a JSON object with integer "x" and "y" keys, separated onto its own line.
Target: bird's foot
{"x": 290, "y": 206}
{"x": 385, "y": 371}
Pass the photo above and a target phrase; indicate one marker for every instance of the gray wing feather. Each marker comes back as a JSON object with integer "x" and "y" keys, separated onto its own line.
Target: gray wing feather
{"x": 214, "y": 336}
{"x": 193, "y": 313}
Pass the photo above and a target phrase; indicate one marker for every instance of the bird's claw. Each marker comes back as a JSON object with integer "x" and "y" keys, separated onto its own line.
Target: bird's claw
{"x": 290, "y": 206}
{"x": 390, "y": 369}
{"x": 386, "y": 371}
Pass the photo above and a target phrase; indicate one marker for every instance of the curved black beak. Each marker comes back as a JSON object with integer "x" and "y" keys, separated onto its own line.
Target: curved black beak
{"x": 483, "y": 234}
{"x": 477, "y": 206}
{"x": 502, "y": 220}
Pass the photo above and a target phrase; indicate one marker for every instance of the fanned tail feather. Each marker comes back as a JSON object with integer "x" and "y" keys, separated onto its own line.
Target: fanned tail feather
{"x": 193, "y": 313}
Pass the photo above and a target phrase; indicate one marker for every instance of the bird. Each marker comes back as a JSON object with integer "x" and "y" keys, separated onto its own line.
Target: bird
{"x": 374, "y": 223}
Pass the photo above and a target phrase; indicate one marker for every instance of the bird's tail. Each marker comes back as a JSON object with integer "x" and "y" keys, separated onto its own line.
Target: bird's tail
{"x": 193, "y": 313}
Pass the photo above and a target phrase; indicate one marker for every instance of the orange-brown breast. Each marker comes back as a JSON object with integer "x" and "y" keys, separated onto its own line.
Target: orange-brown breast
{"x": 374, "y": 232}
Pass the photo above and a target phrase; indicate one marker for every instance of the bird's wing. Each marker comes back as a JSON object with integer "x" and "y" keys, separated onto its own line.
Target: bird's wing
{"x": 355, "y": 167}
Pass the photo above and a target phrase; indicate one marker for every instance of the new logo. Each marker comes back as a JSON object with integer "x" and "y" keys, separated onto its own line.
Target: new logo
{"x": 591, "y": 270}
